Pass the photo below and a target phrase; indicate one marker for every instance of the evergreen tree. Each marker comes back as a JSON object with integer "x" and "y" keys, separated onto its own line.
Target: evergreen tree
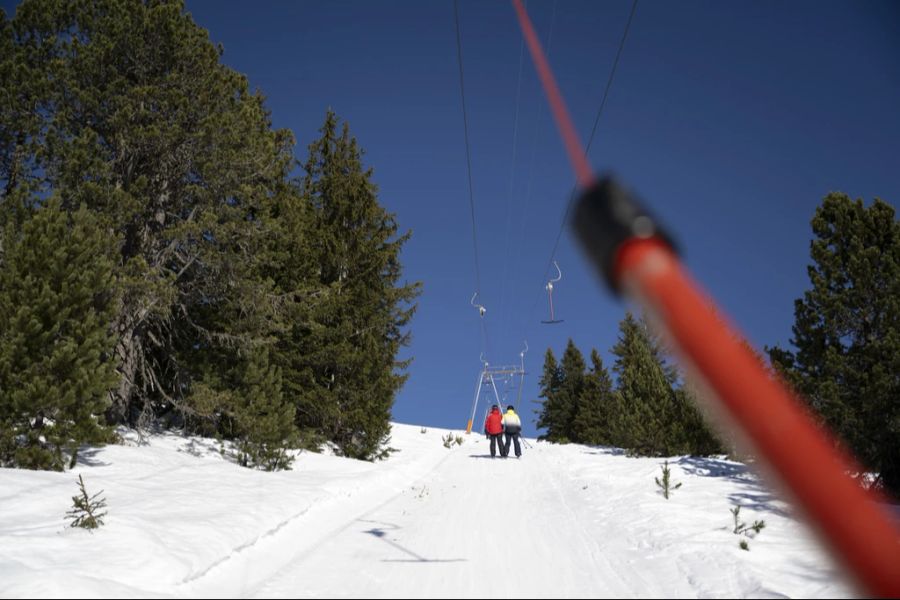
{"x": 595, "y": 405}
{"x": 550, "y": 416}
{"x": 245, "y": 404}
{"x": 218, "y": 256}
{"x": 571, "y": 389}
{"x": 293, "y": 269}
{"x": 86, "y": 509}
{"x": 125, "y": 106}
{"x": 665, "y": 484}
{"x": 847, "y": 331}
{"x": 264, "y": 418}
{"x": 57, "y": 299}
{"x": 562, "y": 386}
{"x": 700, "y": 438}
{"x": 644, "y": 421}
{"x": 19, "y": 125}
{"x": 347, "y": 375}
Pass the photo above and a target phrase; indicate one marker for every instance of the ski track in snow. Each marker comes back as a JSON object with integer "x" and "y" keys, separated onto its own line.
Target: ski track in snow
{"x": 249, "y": 565}
{"x": 564, "y": 521}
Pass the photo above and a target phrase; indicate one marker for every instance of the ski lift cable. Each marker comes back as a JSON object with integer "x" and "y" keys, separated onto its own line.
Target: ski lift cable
{"x": 638, "y": 259}
{"x": 462, "y": 94}
{"x": 525, "y": 319}
{"x": 509, "y": 201}
{"x": 573, "y": 194}
{"x": 485, "y": 339}
{"x": 587, "y": 148}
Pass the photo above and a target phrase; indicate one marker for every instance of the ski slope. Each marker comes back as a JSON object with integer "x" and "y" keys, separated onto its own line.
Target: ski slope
{"x": 563, "y": 521}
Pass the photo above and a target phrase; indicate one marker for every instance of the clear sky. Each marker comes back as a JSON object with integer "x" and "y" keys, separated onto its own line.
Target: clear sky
{"x": 731, "y": 119}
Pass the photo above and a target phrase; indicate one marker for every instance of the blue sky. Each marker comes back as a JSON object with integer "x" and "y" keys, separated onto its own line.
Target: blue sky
{"x": 731, "y": 119}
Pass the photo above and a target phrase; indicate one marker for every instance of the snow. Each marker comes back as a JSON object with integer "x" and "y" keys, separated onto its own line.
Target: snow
{"x": 562, "y": 521}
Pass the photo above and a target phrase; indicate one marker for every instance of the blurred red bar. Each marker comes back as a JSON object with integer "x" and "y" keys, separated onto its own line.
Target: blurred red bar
{"x": 853, "y": 522}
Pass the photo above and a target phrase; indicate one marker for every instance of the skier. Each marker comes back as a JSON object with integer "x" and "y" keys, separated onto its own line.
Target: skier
{"x": 512, "y": 426}
{"x": 493, "y": 428}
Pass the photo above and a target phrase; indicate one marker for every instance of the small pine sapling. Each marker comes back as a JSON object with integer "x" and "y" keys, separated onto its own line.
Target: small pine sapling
{"x": 86, "y": 509}
{"x": 743, "y": 545}
{"x": 665, "y": 485}
{"x": 742, "y": 528}
{"x": 423, "y": 430}
{"x": 459, "y": 440}
{"x": 735, "y": 512}
{"x": 448, "y": 440}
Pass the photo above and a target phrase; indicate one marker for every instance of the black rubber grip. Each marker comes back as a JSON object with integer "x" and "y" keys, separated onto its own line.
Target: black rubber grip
{"x": 606, "y": 215}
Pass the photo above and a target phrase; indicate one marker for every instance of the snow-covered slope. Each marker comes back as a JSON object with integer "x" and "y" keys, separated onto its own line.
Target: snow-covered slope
{"x": 564, "y": 521}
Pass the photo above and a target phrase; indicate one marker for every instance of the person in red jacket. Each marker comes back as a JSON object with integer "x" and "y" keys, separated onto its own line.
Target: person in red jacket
{"x": 493, "y": 428}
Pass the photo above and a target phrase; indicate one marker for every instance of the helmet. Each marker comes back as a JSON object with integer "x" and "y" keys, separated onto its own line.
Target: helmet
{"x": 510, "y": 407}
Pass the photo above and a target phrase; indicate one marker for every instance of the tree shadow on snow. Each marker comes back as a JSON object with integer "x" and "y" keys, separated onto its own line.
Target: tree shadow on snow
{"x": 382, "y": 534}
{"x": 755, "y": 496}
{"x": 605, "y": 451}
{"x": 759, "y": 501}
{"x": 201, "y": 448}
{"x": 87, "y": 456}
{"x": 716, "y": 467}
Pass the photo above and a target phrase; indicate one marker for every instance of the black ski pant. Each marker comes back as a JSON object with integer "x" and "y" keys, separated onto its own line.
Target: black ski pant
{"x": 497, "y": 444}
{"x": 515, "y": 438}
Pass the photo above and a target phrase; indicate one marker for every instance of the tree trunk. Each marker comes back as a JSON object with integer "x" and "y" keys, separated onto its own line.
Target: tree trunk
{"x": 120, "y": 411}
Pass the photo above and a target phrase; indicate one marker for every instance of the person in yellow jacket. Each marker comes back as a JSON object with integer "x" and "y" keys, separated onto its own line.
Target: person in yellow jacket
{"x": 512, "y": 427}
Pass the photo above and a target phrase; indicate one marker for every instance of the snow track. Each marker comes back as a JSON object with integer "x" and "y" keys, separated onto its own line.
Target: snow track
{"x": 564, "y": 521}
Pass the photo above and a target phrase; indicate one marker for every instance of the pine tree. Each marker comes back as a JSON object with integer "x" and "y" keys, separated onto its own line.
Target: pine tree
{"x": 264, "y": 419}
{"x": 665, "y": 484}
{"x": 57, "y": 297}
{"x": 847, "y": 331}
{"x": 218, "y": 253}
{"x": 346, "y": 372}
{"x": 295, "y": 272}
{"x": 563, "y": 386}
{"x": 644, "y": 421}
{"x": 19, "y": 124}
{"x": 551, "y": 414}
{"x": 178, "y": 160}
{"x": 86, "y": 509}
{"x": 572, "y": 387}
{"x": 700, "y": 438}
{"x": 594, "y": 406}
